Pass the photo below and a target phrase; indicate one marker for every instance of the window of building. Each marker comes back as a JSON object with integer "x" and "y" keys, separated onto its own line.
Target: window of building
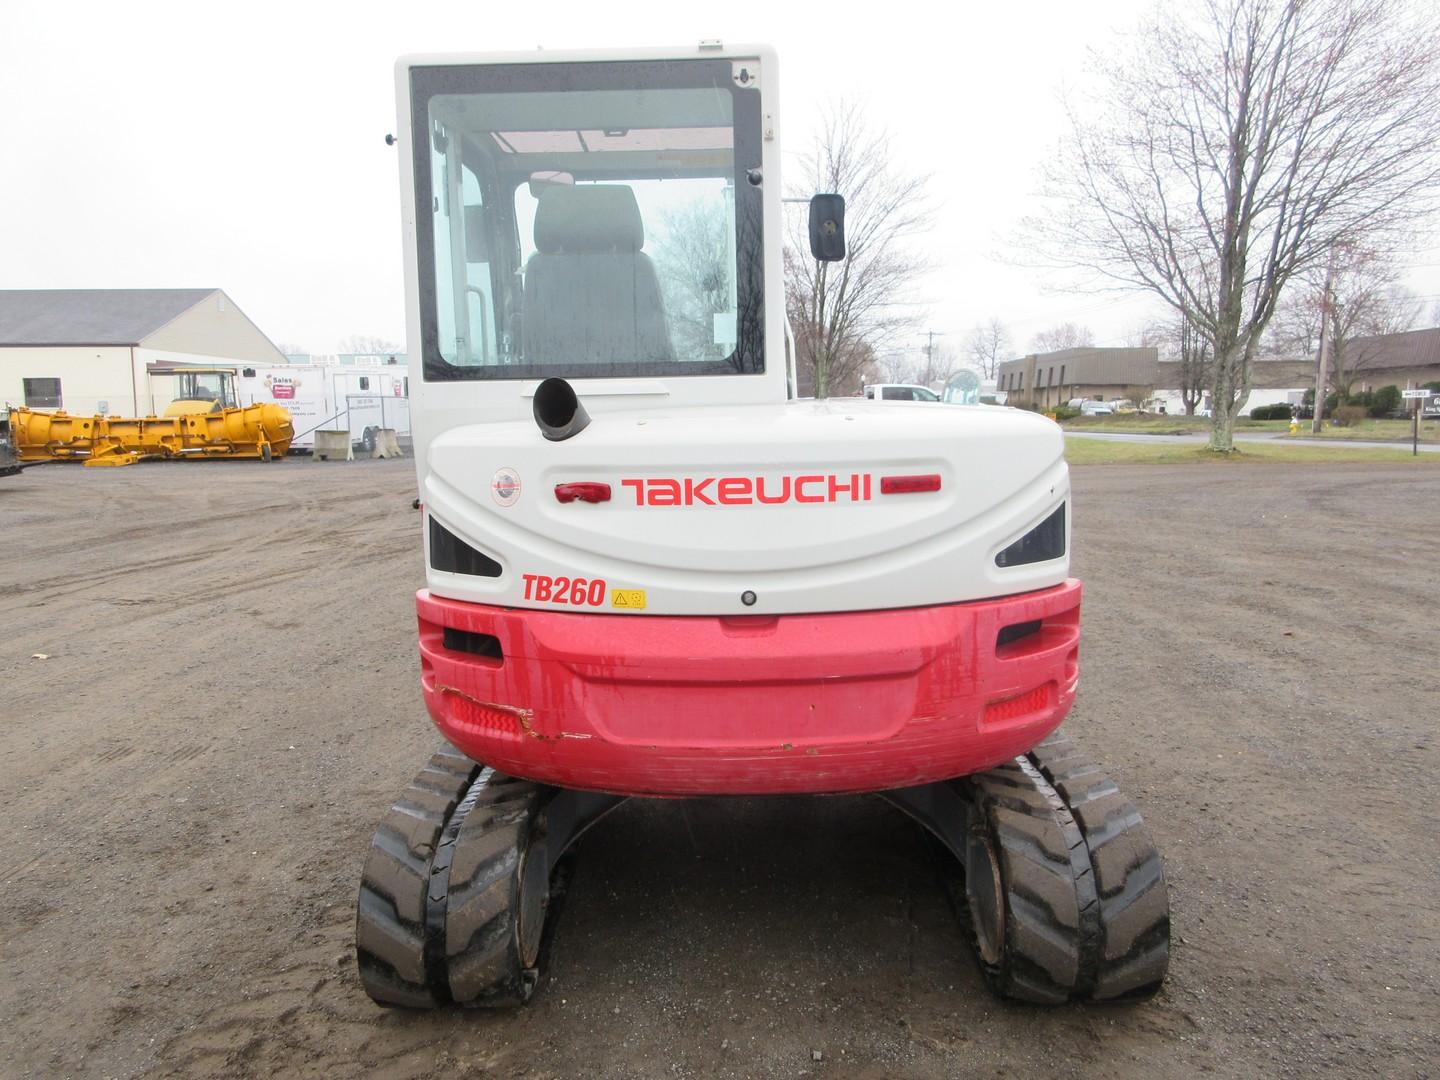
{"x": 42, "y": 393}
{"x": 364, "y": 382}
{"x": 1050, "y": 377}
{"x": 1021, "y": 385}
{"x": 1062, "y": 374}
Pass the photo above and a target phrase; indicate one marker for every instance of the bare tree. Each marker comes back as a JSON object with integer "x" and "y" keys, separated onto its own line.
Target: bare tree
{"x": 1195, "y": 358}
{"x": 369, "y": 345}
{"x": 289, "y": 348}
{"x": 988, "y": 346}
{"x": 1233, "y": 145}
{"x": 1366, "y": 300}
{"x": 937, "y": 365}
{"x": 843, "y": 313}
{"x": 1180, "y": 343}
{"x": 1294, "y": 330}
{"x": 1064, "y": 336}
{"x": 893, "y": 367}
{"x": 695, "y": 275}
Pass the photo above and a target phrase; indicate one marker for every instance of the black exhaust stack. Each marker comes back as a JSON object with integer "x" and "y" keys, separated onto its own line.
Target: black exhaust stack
{"x": 558, "y": 412}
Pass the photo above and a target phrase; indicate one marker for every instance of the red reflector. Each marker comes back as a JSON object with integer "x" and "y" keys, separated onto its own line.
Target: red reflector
{"x": 1016, "y": 707}
{"x": 904, "y": 485}
{"x": 585, "y": 491}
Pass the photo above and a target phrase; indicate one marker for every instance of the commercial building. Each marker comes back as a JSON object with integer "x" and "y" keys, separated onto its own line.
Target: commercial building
{"x": 92, "y": 350}
{"x": 1050, "y": 379}
{"x": 1272, "y": 382}
{"x": 1406, "y": 360}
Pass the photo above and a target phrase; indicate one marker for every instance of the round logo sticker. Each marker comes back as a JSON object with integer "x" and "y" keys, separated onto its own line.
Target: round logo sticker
{"x": 506, "y": 486}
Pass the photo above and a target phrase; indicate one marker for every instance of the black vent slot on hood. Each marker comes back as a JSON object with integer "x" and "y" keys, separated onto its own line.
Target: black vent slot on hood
{"x": 452, "y": 555}
{"x": 1041, "y": 544}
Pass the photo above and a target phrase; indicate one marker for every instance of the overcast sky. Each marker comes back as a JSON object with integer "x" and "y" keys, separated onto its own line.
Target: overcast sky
{"x": 242, "y": 146}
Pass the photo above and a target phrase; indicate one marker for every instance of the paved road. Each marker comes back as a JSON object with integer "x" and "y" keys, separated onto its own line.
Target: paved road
{"x": 1239, "y": 437}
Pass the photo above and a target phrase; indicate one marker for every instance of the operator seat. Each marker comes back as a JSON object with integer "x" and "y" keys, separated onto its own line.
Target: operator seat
{"x": 591, "y": 294}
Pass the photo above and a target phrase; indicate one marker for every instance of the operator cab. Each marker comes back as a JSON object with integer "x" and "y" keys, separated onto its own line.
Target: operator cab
{"x": 600, "y": 217}
{"x": 589, "y": 220}
{"x": 192, "y": 391}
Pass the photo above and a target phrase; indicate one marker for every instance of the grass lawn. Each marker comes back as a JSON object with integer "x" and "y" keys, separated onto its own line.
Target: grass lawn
{"x": 1149, "y": 424}
{"x": 1083, "y": 451}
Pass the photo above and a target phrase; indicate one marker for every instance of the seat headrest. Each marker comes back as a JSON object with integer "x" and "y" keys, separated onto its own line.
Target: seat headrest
{"x": 588, "y": 218}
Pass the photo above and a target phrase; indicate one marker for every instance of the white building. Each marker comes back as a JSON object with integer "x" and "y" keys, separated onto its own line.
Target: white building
{"x": 90, "y": 350}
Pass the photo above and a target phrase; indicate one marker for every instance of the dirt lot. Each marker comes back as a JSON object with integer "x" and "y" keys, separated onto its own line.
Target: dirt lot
{"x": 230, "y": 701}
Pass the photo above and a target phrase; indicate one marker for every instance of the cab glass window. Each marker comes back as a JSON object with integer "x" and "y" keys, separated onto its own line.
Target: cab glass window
{"x": 588, "y": 220}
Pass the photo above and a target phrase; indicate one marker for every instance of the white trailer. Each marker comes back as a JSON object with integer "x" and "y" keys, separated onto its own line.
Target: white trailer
{"x": 373, "y": 398}
{"x": 303, "y": 389}
{"x": 328, "y": 396}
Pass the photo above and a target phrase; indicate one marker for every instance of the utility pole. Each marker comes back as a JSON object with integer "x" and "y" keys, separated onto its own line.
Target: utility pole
{"x": 1323, "y": 363}
{"x": 931, "y": 335}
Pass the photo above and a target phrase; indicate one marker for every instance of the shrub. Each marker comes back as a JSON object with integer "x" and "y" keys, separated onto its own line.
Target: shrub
{"x": 1278, "y": 411}
{"x": 1350, "y": 415}
{"x": 1064, "y": 412}
{"x": 1385, "y": 401}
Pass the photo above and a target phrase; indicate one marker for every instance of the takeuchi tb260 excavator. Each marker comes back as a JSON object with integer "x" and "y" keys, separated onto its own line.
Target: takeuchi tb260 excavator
{"x": 653, "y": 571}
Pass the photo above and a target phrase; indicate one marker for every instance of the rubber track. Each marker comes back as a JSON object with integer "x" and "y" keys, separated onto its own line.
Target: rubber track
{"x": 1086, "y": 908}
{"x": 482, "y": 952}
{"x": 1051, "y": 910}
{"x": 436, "y": 918}
{"x": 390, "y": 922}
{"x": 1133, "y": 952}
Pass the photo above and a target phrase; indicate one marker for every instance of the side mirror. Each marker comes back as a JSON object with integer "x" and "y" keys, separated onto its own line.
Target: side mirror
{"x": 827, "y": 227}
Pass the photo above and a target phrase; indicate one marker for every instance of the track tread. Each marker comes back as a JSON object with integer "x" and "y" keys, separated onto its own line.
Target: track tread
{"x": 1085, "y": 907}
{"x": 1129, "y": 875}
{"x": 1044, "y": 954}
{"x": 390, "y": 932}
{"x": 482, "y": 952}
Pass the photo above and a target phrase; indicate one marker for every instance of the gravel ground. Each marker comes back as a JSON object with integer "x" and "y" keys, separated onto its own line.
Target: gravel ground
{"x": 230, "y": 701}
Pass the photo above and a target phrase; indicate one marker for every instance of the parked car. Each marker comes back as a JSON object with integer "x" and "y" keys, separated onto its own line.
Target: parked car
{"x": 900, "y": 392}
{"x": 1096, "y": 408}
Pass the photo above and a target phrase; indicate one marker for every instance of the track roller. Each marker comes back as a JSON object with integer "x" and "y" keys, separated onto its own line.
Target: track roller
{"x": 1065, "y": 893}
{"x": 456, "y": 888}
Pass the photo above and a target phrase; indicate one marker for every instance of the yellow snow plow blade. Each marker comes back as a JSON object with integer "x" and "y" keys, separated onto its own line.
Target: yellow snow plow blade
{"x": 257, "y": 431}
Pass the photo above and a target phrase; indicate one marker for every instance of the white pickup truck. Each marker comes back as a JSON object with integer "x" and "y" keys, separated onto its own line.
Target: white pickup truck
{"x": 899, "y": 392}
